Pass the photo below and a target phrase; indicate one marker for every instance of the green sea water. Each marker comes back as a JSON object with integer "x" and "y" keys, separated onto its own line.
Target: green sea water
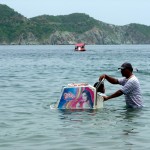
{"x": 31, "y": 78}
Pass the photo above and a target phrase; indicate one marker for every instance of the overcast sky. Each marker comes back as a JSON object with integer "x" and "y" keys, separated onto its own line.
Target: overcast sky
{"x": 117, "y": 12}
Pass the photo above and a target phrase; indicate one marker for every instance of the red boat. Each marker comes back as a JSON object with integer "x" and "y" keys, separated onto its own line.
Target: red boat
{"x": 80, "y": 47}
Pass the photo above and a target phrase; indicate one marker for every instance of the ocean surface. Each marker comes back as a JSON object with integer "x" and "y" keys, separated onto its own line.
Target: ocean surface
{"x": 31, "y": 78}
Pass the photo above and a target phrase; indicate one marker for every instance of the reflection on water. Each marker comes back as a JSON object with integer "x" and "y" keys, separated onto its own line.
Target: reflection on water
{"x": 130, "y": 113}
{"x": 122, "y": 127}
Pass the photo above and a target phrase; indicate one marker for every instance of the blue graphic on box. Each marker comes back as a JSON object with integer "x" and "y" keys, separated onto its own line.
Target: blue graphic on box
{"x": 77, "y": 98}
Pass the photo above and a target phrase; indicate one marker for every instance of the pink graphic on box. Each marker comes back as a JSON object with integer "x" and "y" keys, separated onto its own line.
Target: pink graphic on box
{"x": 77, "y": 98}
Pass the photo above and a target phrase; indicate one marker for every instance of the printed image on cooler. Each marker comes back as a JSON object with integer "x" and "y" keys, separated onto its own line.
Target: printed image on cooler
{"x": 77, "y": 98}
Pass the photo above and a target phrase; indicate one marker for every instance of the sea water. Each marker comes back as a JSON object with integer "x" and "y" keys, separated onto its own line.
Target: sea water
{"x": 31, "y": 78}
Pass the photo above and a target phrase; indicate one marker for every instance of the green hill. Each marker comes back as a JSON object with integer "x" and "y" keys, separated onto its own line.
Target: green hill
{"x": 66, "y": 29}
{"x": 11, "y": 24}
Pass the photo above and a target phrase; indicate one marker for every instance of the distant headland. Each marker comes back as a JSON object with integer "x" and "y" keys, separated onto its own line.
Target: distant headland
{"x": 15, "y": 29}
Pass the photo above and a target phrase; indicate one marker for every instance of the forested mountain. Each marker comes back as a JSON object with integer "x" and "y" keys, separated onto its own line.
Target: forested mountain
{"x": 66, "y": 29}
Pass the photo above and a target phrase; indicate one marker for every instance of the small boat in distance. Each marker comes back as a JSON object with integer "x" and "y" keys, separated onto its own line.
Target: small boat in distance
{"x": 80, "y": 47}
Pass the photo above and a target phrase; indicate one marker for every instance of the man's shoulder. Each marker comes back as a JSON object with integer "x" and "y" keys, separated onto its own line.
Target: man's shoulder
{"x": 134, "y": 79}
{"x": 122, "y": 80}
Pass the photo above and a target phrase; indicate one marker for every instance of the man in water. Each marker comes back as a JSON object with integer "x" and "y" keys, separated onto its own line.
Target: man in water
{"x": 130, "y": 87}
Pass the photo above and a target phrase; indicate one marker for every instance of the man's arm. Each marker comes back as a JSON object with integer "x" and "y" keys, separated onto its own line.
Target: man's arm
{"x": 116, "y": 94}
{"x": 109, "y": 79}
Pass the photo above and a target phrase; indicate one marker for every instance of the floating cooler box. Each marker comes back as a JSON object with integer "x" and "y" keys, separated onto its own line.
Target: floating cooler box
{"x": 79, "y": 96}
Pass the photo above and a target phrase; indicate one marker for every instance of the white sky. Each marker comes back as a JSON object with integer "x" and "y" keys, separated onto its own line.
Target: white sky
{"x": 117, "y": 12}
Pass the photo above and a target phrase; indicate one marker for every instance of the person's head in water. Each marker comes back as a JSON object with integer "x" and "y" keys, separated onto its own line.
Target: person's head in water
{"x": 101, "y": 88}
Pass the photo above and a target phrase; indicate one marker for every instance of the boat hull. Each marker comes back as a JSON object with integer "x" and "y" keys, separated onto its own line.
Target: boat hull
{"x": 80, "y": 47}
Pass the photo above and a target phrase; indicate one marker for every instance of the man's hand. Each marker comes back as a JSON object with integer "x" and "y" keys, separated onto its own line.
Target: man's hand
{"x": 105, "y": 98}
{"x": 102, "y": 77}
